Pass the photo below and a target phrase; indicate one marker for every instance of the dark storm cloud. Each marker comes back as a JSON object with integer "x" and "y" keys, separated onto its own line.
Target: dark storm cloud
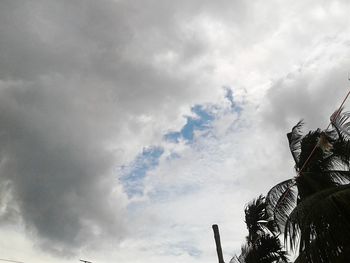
{"x": 71, "y": 75}
{"x": 58, "y": 170}
{"x": 42, "y": 37}
{"x": 112, "y": 43}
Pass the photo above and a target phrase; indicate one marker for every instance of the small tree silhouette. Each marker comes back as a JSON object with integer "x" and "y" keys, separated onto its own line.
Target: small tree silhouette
{"x": 263, "y": 245}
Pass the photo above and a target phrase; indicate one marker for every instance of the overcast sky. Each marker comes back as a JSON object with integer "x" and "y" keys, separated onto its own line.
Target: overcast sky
{"x": 128, "y": 128}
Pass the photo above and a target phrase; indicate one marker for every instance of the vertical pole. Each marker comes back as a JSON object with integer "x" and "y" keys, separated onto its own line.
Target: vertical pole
{"x": 218, "y": 243}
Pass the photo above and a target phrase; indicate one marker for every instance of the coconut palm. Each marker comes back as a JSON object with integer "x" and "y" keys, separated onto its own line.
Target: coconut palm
{"x": 257, "y": 219}
{"x": 313, "y": 208}
{"x": 262, "y": 244}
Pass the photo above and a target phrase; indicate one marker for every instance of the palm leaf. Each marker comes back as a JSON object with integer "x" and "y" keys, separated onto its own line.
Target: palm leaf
{"x": 281, "y": 200}
{"x": 266, "y": 249}
{"x": 269, "y": 249}
{"x": 322, "y": 223}
{"x": 338, "y": 176}
{"x": 340, "y": 121}
{"x": 305, "y": 257}
{"x": 341, "y": 153}
{"x": 309, "y": 156}
{"x": 294, "y": 139}
{"x": 258, "y": 220}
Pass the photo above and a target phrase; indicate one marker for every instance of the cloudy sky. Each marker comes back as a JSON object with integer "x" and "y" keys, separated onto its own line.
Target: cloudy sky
{"x": 128, "y": 128}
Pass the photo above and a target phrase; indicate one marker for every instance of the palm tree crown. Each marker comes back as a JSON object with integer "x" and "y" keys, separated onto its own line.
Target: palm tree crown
{"x": 313, "y": 208}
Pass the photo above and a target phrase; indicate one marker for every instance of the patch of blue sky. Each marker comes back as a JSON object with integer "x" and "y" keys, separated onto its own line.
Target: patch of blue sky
{"x": 204, "y": 116}
{"x": 202, "y": 119}
{"x": 133, "y": 175}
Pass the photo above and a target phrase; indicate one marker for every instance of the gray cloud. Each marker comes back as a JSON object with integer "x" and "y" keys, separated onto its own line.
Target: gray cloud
{"x": 59, "y": 171}
{"x": 74, "y": 77}
{"x": 313, "y": 91}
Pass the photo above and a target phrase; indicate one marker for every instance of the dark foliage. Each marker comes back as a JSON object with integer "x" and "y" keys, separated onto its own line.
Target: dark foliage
{"x": 313, "y": 208}
{"x": 258, "y": 220}
{"x": 263, "y": 246}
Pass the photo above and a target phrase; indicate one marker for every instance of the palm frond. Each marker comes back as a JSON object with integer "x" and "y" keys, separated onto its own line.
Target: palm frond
{"x": 312, "y": 182}
{"x": 266, "y": 249}
{"x": 339, "y": 176}
{"x": 341, "y": 152}
{"x": 258, "y": 220}
{"x": 340, "y": 122}
{"x": 294, "y": 139}
{"x": 309, "y": 155}
{"x": 246, "y": 250}
{"x": 322, "y": 223}
{"x": 236, "y": 259}
{"x": 270, "y": 249}
{"x": 281, "y": 200}
{"x": 339, "y": 255}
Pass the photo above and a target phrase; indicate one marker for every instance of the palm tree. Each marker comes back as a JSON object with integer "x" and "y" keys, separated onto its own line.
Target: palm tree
{"x": 263, "y": 246}
{"x": 313, "y": 208}
{"x": 257, "y": 219}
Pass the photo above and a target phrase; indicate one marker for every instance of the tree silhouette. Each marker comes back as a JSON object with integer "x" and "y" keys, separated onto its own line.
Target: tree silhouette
{"x": 263, "y": 246}
{"x": 313, "y": 208}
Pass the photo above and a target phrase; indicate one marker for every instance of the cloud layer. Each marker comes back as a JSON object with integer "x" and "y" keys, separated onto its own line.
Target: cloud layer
{"x": 127, "y": 128}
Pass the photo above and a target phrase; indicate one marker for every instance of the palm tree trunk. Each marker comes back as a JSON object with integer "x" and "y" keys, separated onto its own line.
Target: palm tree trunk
{"x": 218, "y": 243}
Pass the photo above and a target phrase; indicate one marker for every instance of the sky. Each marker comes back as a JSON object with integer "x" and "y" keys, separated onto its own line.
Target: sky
{"x": 128, "y": 128}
